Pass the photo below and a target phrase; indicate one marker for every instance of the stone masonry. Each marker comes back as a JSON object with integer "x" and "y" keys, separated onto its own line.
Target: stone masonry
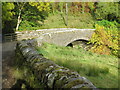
{"x": 46, "y": 71}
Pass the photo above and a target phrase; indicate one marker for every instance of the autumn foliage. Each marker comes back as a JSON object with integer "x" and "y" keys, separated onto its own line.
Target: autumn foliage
{"x": 105, "y": 41}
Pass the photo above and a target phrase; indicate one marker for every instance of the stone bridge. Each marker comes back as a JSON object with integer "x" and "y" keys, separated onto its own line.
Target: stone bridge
{"x": 45, "y": 71}
{"x": 61, "y": 36}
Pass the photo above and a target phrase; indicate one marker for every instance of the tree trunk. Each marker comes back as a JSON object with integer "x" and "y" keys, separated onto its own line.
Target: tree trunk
{"x": 66, "y": 14}
{"x": 18, "y": 20}
{"x": 19, "y": 16}
{"x": 61, "y": 6}
{"x": 83, "y": 7}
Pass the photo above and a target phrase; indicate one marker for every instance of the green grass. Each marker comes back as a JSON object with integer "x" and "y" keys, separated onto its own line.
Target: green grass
{"x": 58, "y": 21}
{"x": 24, "y": 73}
{"x": 101, "y": 70}
{"x": 74, "y": 21}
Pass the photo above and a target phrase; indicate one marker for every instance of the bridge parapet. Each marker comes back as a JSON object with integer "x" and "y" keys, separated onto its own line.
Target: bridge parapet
{"x": 63, "y": 38}
{"x": 37, "y": 33}
{"x": 51, "y": 35}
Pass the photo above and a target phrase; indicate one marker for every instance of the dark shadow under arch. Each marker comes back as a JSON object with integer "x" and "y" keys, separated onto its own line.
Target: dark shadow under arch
{"x": 80, "y": 42}
{"x": 71, "y": 44}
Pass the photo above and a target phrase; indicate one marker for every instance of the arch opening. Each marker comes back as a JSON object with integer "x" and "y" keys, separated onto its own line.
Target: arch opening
{"x": 80, "y": 43}
{"x": 70, "y": 45}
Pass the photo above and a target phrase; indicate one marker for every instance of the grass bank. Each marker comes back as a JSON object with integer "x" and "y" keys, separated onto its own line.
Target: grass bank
{"x": 58, "y": 20}
{"x": 101, "y": 70}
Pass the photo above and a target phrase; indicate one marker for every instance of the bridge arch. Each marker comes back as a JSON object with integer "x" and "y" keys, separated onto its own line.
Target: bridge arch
{"x": 64, "y": 38}
{"x": 82, "y": 39}
{"x": 83, "y": 43}
{"x": 77, "y": 42}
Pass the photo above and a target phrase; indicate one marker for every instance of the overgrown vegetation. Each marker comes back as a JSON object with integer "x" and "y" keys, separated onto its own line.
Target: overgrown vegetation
{"x": 105, "y": 40}
{"x": 101, "y": 70}
{"x": 32, "y": 15}
{"x": 22, "y": 72}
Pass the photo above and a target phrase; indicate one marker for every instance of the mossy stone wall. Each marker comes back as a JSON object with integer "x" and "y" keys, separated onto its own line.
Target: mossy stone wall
{"x": 46, "y": 71}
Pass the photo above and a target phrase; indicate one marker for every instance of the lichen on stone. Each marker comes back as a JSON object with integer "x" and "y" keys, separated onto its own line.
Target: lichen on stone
{"x": 73, "y": 83}
{"x": 51, "y": 79}
{"x": 46, "y": 71}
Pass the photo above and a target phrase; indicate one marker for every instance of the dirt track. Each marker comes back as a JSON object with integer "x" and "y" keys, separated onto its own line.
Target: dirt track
{"x": 8, "y": 56}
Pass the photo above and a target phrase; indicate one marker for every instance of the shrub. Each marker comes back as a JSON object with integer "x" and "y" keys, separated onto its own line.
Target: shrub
{"x": 26, "y": 25}
{"x": 107, "y": 24}
{"x": 105, "y": 40}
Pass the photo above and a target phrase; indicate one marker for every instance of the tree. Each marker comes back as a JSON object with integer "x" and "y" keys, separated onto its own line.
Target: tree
{"x": 24, "y": 9}
{"x": 7, "y": 12}
{"x": 53, "y": 7}
{"x": 83, "y": 7}
{"x": 91, "y": 6}
{"x": 41, "y": 6}
{"x": 66, "y": 23}
{"x": 107, "y": 10}
{"x": 61, "y": 6}
{"x": 20, "y": 6}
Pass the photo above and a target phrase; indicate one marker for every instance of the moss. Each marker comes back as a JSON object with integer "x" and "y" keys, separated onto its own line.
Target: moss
{"x": 73, "y": 83}
{"x": 19, "y": 59}
{"x": 86, "y": 88}
{"x": 18, "y": 73}
{"x": 33, "y": 81}
{"x": 25, "y": 73}
{"x": 36, "y": 68}
{"x": 67, "y": 73}
{"x": 42, "y": 66}
{"x": 34, "y": 60}
{"x": 59, "y": 83}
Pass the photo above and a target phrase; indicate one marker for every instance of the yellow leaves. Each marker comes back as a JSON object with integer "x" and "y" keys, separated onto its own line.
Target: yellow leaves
{"x": 101, "y": 50}
{"x": 41, "y": 6}
{"x": 7, "y": 6}
{"x": 10, "y": 6}
{"x": 47, "y": 4}
{"x": 104, "y": 40}
{"x": 33, "y": 3}
{"x": 7, "y": 11}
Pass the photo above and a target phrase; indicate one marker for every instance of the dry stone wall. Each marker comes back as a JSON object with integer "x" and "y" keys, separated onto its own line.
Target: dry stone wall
{"x": 46, "y": 71}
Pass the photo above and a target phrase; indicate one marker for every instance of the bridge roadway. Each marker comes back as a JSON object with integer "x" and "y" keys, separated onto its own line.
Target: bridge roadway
{"x": 7, "y": 51}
